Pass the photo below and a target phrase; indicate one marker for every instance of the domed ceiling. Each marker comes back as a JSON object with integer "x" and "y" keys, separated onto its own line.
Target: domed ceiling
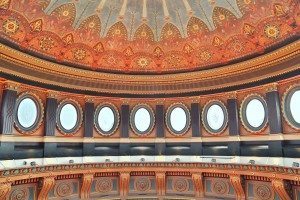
{"x": 148, "y": 36}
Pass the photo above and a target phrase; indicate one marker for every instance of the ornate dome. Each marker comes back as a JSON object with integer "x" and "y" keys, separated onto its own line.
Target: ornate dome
{"x": 148, "y": 36}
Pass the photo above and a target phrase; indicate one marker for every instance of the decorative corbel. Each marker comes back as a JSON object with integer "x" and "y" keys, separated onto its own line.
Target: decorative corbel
{"x": 237, "y": 184}
{"x": 198, "y": 184}
{"x": 5, "y": 189}
{"x": 47, "y": 185}
{"x": 160, "y": 183}
{"x": 86, "y": 185}
{"x": 124, "y": 184}
{"x": 279, "y": 186}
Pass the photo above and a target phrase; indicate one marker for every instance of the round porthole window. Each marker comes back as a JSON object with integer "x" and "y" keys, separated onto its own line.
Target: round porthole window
{"x": 69, "y": 117}
{"x": 106, "y": 119}
{"x": 28, "y": 113}
{"x": 178, "y": 119}
{"x": 254, "y": 113}
{"x": 292, "y": 107}
{"x": 215, "y": 117}
{"x": 142, "y": 119}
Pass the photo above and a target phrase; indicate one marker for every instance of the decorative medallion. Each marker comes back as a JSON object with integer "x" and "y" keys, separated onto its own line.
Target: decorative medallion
{"x": 142, "y": 184}
{"x": 46, "y": 43}
{"x": 79, "y": 54}
{"x": 272, "y": 31}
{"x": 20, "y": 194}
{"x": 263, "y": 192}
{"x": 63, "y": 189}
{"x": 104, "y": 185}
{"x": 180, "y": 184}
{"x": 11, "y": 26}
{"x": 143, "y": 62}
{"x": 220, "y": 187}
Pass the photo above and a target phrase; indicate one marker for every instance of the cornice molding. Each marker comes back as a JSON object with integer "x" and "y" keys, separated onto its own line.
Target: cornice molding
{"x": 276, "y": 63}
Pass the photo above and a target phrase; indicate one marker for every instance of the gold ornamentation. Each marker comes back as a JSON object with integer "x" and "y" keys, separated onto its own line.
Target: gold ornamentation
{"x": 272, "y": 31}
{"x": 46, "y": 43}
{"x": 11, "y": 26}
{"x": 79, "y": 54}
{"x": 143, "y": 62}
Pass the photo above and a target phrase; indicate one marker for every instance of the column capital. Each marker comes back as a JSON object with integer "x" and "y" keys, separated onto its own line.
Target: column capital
{"x": 271, "y": 87}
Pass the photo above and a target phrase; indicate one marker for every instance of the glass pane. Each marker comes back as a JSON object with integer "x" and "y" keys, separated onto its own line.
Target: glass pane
{"x": 68, "y": 116}
{"x": 178, "y": 119}
{"x": 142, "y": 119}
{"x": 255, "y": 113}
{"x": 295, "y": 106}
{"x": 27, "y": 112}
{"x": 215, "y": 117}
{"x": 106, "y": 119}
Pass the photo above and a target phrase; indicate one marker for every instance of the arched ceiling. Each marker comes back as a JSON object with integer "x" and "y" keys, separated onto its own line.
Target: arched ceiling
{"x": 148, "y": 36}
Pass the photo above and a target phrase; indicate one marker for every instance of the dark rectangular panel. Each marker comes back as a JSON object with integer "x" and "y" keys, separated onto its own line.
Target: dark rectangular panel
{"x": 124, "y": 121}
{"x": 50, "y": 149}
{"x": 50, "y": 116}
{"x": 7, "y": 111}
{"x": 196, "y": 148}
{"x": 275, "y": 149}
{"x": 6, "y": 150}
{"x": 88, "y": 119}
{"x": 160, "y": 149}
{"x": 233, "y": 118}
{"x": 234, "y": 148}
{"x": 160, "y": 120}
{"x": 274, "y": 115}
{"x": 124, "y": 149}
{"x": 195, "y": 119}
{"x": 88, "y": 149}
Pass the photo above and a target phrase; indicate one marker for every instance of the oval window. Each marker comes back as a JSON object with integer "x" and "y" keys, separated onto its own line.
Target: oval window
{"x": 142, "y": 119}
{"x": 295, "y": 106}
{"x": 106, "y": 120}
{"x": 68, "y": 117}
{"x": 254, "y": 113}
{"x": 178, "y": 119}
{"x": 215, "y": 117}
{"x": 27, "y": 113}
{"x": 292, "y": 107}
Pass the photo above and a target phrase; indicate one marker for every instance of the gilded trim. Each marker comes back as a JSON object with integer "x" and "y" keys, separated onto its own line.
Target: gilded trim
{"x": 283, "y": 104}
{"x": 117, "y": 119}
{"x": 78, "y": 125}
{"x": 152, "y": 119}
{"x": 40, "y": 113}
{"x": 188, "y": 120}
{"x": 247, "y": 100}
{"x": 204, "y": 113}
